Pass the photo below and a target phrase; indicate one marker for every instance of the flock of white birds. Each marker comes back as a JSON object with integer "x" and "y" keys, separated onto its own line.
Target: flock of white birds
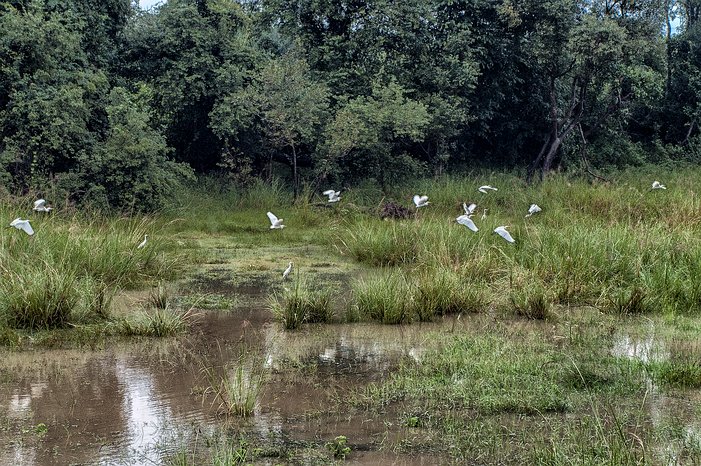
{"x": 422, "y": 201}
{"x": 40, "y": 206}
{"x": 335, "y": 196}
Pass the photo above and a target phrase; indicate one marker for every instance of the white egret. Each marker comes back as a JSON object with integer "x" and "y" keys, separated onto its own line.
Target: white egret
{"x": 484, "y": 214}
{"x": 287, "y": 271}
{"x": 469, "y": 209}
{"x": 334, "y": 196}
{"x": 22, "y": 225}
{"x": 467, "y": 221}
{"x": 421, "y": 201}
{"x": 533, "y": 209}
{"x": 40, "y": 206}
{"x": 658, "y": 185}
{"x": 483, "y": 189}
{"x": 501, "y": 231}
{"x": 143, "y": 243}
{"x": 275, "y": 223}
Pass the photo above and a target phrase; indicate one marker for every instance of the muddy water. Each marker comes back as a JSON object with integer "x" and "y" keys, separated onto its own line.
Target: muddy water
{"x": 141, "y": 403}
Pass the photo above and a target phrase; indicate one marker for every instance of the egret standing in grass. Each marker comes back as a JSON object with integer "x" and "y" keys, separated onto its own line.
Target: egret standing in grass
{"x": 334, "y": 196}
{"x": 421, "y": 201}
{"x": 287, "y": 271}
{"x": 485, "y": 188}
{"x": 501, "y": 231}
{"x": 22, "y": 225}
{"x": 658, "y": 185}
{"x": 143, "y": 243}
{"x": 484, "y": 214}
{"x": 467, "y": 221}
{"x": 533, "y": 209}
{"x": 40, "y": 206}
{"x": 275, "y": 223}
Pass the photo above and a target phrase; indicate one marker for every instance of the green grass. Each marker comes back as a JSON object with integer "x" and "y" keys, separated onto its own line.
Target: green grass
{"x": 298, "y": 304}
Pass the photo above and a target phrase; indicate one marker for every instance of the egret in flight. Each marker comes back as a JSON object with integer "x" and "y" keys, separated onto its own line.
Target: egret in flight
{"x": 40, "y": 206}
{"x": 334, "y": 196}
{"x": 287, "y": 271}
{"x": 275, "y": 223}
{"x": 658, "y": 185}
{"x": 22, "y": 225}
{"x": 143, "y": 243}
{"x": 483, "y": 189}
{"x": 533, "y": 209}
{"x": 469, "y": 209}
{"x": 421, "y": 201}
{"x": 501, "y": 231}
{"x": 467, "y": 221}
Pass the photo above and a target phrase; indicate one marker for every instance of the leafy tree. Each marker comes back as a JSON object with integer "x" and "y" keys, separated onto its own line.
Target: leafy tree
{"x": 130, "y": 169}
{"x": 369, "y": 135}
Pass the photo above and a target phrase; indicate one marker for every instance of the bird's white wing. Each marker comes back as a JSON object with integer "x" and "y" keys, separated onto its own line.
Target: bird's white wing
{"x": 329, "y": 192}
{"x": 467, "y": 221}
{"x": 272, "y": 217}
{"x": 26, "y": 227}
{"x": 504, "y": 234}
{"x": 417, "y": 200}
{"x": 39, "y": 203}
{"x": 423, "y": 199}
{"x": 471, "y": 208}
{"x": 482, "y": 189}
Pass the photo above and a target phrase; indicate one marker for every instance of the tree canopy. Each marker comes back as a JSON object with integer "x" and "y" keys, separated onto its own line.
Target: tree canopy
{"x": 115, "y": 105}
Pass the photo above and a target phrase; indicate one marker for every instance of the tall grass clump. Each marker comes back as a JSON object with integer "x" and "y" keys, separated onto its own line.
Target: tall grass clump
{"x": 38, "y": 298}
{"x": 298, "y": 304}
{"x": 157, "y": 323}
{"x": 441, "y": 291}
{"x": 238, "y": 385}
{"x": 387, "y": 297}
{"x": 383, "y": 243}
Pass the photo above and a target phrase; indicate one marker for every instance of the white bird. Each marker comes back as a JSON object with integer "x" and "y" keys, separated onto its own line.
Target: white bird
{"x": 287, "y": 271}
{"x": 658, "y": 185}
{"x": 275, "y": 223}
{"x": 483, "y": 189}
{"x": 501, "y": 231}
{"x": 421, "y": 201}
{"x": 533, "y": 209}
{"x": 467, "y": 221}
{"x": 484, "y": 214}
{"x": 22, "y": 225}
{"x": 40, "y": 206}
{"x": 143, "y": 243}
{"x": 469, "y": 209}
{"x": 334, "y": 196}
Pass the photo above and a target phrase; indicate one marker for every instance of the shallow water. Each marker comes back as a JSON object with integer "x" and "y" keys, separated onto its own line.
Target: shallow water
{"x": 139, "y": 403}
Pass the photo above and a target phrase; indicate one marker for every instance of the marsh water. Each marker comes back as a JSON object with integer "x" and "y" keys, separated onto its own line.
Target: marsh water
{"x": 141, "y": 403}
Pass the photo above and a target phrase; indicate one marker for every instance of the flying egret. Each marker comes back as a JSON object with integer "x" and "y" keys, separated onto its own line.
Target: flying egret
{"x": 40, "y": 206}
{"x": 501, "y": 231}
{"x": 22, "y": 225}
{"x": 469, "y": 209}
{"x": 658, "y": 185}
{"x": 421, "y": 201}
{"x": 483, "y": 189}
{"x": 287, "y": 271}
{"x": 484, "y": 214}
{"x": 533, "y": 209}
{"x": 143, "y": 243}
{"x": 275, "y": 223}
{"x": 467, "y": 221}
{"x": 334, "y": 196}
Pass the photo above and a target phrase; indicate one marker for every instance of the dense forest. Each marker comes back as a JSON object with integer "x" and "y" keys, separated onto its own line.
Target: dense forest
{"x": 113, "y": 105}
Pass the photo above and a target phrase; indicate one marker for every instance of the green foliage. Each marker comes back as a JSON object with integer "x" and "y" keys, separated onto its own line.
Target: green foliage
{"x": 339, "y": 447}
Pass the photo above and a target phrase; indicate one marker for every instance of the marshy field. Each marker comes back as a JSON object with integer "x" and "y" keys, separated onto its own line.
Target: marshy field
{"x": 408, "y": 339}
